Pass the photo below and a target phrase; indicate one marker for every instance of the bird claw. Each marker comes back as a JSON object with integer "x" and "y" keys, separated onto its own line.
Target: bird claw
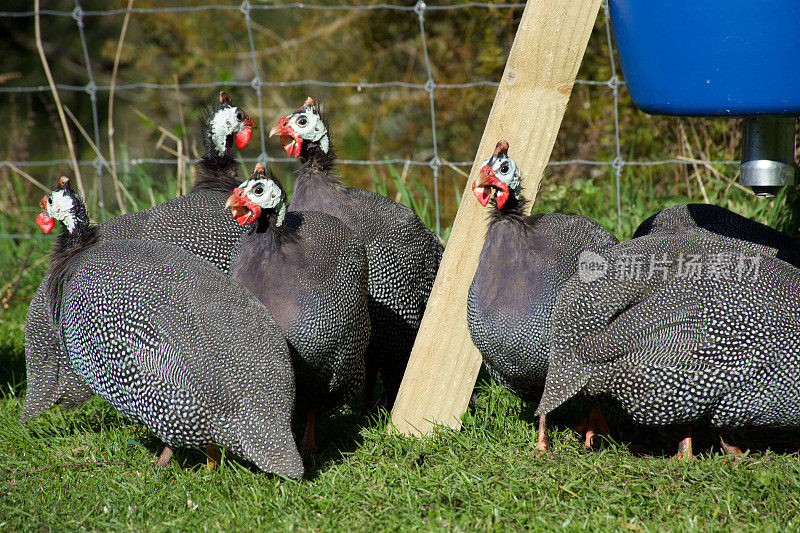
{"x": 594, "y": 424}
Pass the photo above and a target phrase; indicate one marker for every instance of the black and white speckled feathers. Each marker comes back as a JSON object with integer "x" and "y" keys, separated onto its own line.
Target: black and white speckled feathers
{"x": 723, "y": 222}
{"x": 196, "y": 222}
{"x": 524, "y": 262}
{"x": 176, "y": 345}
{"x": 403, "y": 254}
{"x": 310, "y": 270}
{"x": 679, "y": 327}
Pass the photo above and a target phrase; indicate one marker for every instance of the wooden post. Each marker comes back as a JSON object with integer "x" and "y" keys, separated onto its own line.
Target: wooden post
{"x": 527, "y": 112}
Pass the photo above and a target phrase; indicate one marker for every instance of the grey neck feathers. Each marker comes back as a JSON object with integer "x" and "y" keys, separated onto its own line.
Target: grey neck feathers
{"x": 315, "y": 158}
{"x": 67, "y": 248}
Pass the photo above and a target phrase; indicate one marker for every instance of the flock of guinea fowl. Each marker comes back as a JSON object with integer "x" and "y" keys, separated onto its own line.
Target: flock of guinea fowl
{"x": 214, "y": 318}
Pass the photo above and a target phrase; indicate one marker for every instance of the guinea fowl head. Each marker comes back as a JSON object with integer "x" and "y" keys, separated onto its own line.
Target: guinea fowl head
{"x": 62, "y": 204}
{"x": 260, "y": 193}
{"x": 498, "y": 174}
{"x": 224, "y": 124}
{"x": 303, "y": 129}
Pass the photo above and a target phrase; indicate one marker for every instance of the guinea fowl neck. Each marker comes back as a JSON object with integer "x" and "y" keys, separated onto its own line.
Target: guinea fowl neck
{"x": 269, "y": 235}
{"x": 317, "y": 160}
{"x": 217, "y": 172}
{"x": 66, "y": 248}
{"x": 513, "y": 210}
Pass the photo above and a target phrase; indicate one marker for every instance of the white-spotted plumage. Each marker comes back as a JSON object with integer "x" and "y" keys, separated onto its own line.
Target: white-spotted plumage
{"x": 310, "y": 270}
{"x": 523, "y": 265}
{"x": 196, "y": 222}
{"x": 403, "y": 254}
{"x": 676, "y": 348}
{"x": 174, "y": 344}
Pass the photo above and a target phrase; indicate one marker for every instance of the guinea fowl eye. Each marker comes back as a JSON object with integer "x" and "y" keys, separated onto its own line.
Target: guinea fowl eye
{"x": 239, "y": 115}
{"x": 258, "y": 190}
{"x": 302, "y": 121}
{"x": 504, "y": 168}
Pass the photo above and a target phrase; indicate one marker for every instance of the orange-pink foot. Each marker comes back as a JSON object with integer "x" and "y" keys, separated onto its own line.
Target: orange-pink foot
{"x": 542, "y": 444}
{"x": 308, "y": 442}
{"x": 685, "y": 445}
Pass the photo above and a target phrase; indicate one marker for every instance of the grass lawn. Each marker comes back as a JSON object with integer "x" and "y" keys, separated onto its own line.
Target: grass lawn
{"x": 486, "y": 477}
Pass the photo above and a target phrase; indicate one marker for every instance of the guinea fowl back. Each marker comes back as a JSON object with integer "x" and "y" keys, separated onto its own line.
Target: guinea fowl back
{"x": 176, "y": 345}
{"x": 722, "y": 222}
{"x": 672, "y": 343}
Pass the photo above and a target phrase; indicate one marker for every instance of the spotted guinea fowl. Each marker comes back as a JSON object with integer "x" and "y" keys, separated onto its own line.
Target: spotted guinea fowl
{"x": 680, "y": 328}
{"x": 170, "y": 341}
{"x": 524, "y": 262}
{"x": 196, "y": 222}
{"x": 403, "y": 254}
{"x": 310, "y": 270}
{"x": 723, "y": 222}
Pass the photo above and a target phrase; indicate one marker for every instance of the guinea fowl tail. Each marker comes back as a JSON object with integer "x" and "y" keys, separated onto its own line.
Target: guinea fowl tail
{"x": 562, "y": 384}
{"x": 271, "y": 449}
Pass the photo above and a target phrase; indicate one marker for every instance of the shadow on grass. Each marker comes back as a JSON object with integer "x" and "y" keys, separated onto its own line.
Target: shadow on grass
{"x": 338, "y": 433}
{"x": 12, "y": 362}
{"x": 657, "y": 441}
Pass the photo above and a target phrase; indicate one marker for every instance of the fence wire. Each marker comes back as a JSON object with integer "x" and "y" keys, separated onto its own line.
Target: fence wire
{"x": 258, "y": 83}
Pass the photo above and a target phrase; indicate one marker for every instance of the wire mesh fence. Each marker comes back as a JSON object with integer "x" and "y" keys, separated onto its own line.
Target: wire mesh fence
{"x": 430, "y": 86}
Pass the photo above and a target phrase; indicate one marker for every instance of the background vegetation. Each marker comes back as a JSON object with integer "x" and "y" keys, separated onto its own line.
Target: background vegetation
{"x": 487, "y": 476}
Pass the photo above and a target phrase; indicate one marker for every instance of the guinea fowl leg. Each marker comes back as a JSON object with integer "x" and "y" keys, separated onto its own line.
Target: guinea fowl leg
{"x": 727, "y": 443}
{"x": 369, "y": 386}
{"x": 163, "y": 459}
{"x": 214, "y": 454}
{"x": 308, "y": 441}
{"x": 595, "y": 424}
{"x": 685, "y": 446}
{"x": 541, "y": 442}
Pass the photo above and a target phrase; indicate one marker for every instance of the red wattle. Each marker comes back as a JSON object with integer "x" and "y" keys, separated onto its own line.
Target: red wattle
{"x": 45, "y": 223}
{"x": 289, "y": 147}
{"x": 243, "y": 137}
{"x": 483, "y": 194}
{"x": 244, "y": 218}
{"x": 502, "y": 196}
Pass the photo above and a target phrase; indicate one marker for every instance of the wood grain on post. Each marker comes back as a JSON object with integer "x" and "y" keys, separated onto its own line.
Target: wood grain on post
{"x": 527, "y": 112}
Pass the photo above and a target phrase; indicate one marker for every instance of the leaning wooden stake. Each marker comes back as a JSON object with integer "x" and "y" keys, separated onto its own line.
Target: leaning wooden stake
{"x": 527, "y": 111}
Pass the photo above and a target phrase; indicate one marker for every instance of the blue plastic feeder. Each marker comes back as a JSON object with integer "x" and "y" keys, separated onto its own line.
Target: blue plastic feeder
{"x": 719, "y": 58}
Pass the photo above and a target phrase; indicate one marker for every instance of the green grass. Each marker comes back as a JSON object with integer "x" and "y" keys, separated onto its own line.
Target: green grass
{"x": 486, "y": 477}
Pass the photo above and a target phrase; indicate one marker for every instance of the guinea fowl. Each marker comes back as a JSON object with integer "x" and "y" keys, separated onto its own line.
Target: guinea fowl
{"x": 170, "y": 341}
{"x": 723, "y": 222}
{"x": 679, "y": 328}
{"x": 524, "y": 262}
{"x": 196, "y": 222}
{"x": 310, "y": 270}
{"x": 403, "y": 254}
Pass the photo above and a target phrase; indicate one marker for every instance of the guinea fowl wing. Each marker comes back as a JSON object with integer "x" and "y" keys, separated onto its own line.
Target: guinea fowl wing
{"x": 189, "y": 353}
